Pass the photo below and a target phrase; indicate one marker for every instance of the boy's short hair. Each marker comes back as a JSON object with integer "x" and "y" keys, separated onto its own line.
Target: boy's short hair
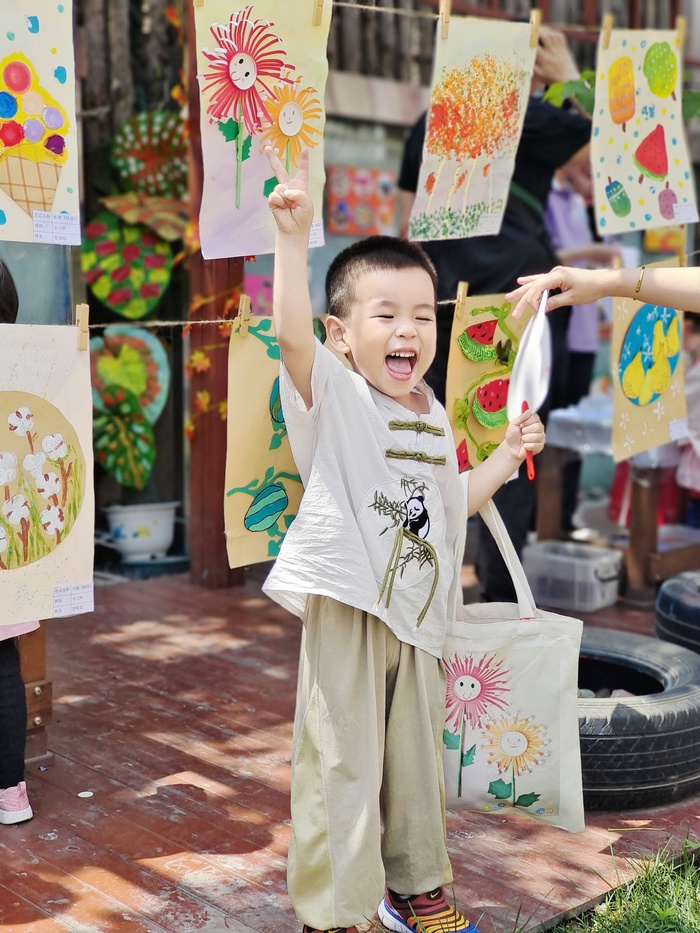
{"x": 373, "y": 254}
{"x": 9, "y": 302}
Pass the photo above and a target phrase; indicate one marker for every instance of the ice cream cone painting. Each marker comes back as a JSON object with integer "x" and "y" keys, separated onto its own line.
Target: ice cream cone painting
{"x": 477, "y": 107}
{"x": 46, "y": 497}
{"x": 648, "y": 386}
{"x": 262, "y": 73}
{"x": 639, "y": 154}
{"x": 38, "y": 141}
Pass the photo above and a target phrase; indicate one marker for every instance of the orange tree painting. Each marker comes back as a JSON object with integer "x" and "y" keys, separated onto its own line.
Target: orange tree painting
{"x": 474, "y": 119}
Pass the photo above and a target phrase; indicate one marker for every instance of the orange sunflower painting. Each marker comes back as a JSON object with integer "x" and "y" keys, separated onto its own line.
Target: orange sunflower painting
{"x": 293, "y": 112}
{"x": 247, "y": 54}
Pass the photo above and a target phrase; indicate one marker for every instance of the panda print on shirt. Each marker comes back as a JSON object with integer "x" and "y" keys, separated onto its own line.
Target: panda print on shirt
{"x": 417, "y": 519}
{"x": 399, "y": 518}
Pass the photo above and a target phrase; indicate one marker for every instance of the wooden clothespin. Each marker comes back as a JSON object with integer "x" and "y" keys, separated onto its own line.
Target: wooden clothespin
{"x": 682, "y": 257}
{"x": 535, "y": 21}
{"x": 82, "y": 316}
{"x": 461, "y": 301}
{"x": 682, "y": 29}
{"x": 318, "y": 13}
{"x": 445, "y": 12}
{"x": 608, "y": 23}
{"x": 243, "y": 317}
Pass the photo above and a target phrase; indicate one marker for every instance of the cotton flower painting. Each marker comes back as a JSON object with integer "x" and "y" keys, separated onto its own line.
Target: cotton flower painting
{"x": 46, "y": 498}
{"x": 262, "y": 72}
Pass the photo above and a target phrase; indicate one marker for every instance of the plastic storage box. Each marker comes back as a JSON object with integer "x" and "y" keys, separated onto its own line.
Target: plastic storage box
{"x": 572, "y": 576}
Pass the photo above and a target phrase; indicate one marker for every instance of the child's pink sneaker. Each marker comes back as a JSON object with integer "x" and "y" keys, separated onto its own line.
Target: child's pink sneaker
{"x": 14, "y": 805}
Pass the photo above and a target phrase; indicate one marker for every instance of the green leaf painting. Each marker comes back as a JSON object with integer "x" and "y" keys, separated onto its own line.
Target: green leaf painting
{"x": 468, "y": 757}
{"x": 123, "y": 438}
{"x": 500, "y": 790}
{"x": 527, "y": 800}
{"x": 450, "y": 739}
{"x": 229, "y": 130}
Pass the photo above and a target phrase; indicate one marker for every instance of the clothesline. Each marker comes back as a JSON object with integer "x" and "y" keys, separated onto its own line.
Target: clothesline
{"x": 153, "y": 324}
{"x": 434, "y": 14}
{"x": 232, "y": 320}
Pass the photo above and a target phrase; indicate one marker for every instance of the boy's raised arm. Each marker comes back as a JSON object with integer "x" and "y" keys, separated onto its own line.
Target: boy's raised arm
{"x": 291, "y": 301}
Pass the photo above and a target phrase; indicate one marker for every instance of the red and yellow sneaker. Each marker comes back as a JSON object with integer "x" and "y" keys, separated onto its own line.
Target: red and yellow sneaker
{"x": 422, "y": 913}
{"x": 332, "y": 930}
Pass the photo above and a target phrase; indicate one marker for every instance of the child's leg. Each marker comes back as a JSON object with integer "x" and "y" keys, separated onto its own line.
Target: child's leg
{"x": 13, "y": 716}
{"x": 413, "y": 793}
{"x": 335, "y": 872}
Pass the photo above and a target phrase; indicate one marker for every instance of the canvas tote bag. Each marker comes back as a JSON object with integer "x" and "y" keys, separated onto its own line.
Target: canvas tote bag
{"x": 511, "y": 735}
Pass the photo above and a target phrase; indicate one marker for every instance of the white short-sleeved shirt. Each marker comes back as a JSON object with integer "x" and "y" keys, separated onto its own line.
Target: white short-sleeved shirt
{"x": 382, "y": 520}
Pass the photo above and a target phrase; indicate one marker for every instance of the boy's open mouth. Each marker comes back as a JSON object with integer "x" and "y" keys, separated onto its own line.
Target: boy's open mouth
{"x": 402, "y": 363}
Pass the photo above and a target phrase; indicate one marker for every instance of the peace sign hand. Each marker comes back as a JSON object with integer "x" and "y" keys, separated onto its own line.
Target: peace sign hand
{"x": 290, "y": 203}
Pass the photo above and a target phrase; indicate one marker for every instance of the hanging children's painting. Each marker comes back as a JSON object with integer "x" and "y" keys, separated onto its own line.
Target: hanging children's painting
{"x": 361, "y": 201}
{"x": 641, "y": 168}
{"x": 483, "y": 347}
{"x": 263, "y": 487}
{"x": 46, "y": 494}
{"x": 648, "y": 396}
{"x": 481, "y": 85}
{"x": 38, "y": 136}
{"x": 262, "y": 73}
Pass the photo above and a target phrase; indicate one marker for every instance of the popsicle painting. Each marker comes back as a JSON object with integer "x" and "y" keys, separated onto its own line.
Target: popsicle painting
{"x": 641, "y": 166}
{"x": 38, "y": 139}
{"x": 262, "y": 72}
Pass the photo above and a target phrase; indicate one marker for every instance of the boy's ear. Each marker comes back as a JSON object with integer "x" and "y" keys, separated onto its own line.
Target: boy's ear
{"x": 335, "y": 333}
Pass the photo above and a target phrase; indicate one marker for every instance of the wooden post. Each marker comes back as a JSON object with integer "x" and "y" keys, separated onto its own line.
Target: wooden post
{"x": 643, "y": 535}
{"x": 208, "y": 560}
{"x": 32, "y": 654}
{"x": 550, "y": 468}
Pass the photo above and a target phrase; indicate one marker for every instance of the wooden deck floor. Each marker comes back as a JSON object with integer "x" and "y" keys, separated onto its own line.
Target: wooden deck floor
{"x": 173, "y": 708}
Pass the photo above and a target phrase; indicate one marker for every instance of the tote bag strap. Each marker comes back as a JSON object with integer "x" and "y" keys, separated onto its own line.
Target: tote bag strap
{"x": 494, "y": 523}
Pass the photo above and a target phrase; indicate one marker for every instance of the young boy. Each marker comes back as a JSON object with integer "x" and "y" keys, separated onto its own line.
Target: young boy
{"x": 371, "y": 564}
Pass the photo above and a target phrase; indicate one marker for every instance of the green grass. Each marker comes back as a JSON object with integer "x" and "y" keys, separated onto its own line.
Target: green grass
{"x": 664, "y": 897}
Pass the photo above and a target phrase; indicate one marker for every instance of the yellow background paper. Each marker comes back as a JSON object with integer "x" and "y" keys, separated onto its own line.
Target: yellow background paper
{"x": 259, "y": 463}
{"x": 43, "y": 34}
{"x": 44, "y": 361}
{"x": 464, "y": 376}
{"x": 627, "y": 112}
{"x": 249, "y": 229}
{"x": 643, "y": 426}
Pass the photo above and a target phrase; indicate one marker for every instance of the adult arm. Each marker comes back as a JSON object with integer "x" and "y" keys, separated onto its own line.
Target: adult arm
{"x": 675, "y": 287}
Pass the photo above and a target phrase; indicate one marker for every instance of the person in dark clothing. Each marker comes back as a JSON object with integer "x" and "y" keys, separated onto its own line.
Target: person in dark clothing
{"x": 14, "y": 802}
{"x": 491, "y": 265}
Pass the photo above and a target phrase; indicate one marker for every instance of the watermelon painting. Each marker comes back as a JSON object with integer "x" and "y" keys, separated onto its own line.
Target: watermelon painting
{"x": 651, "y": 157}
{"x": 266, "y": 508}
{"x": 476, "y": 342}
{"x": 489, "y": 406}
{"x": 643, "y": 176}
{"x": 483, "y": 349}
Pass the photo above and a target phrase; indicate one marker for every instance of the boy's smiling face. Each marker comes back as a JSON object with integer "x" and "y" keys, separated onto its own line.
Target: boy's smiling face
{"x": 390, "y": 333}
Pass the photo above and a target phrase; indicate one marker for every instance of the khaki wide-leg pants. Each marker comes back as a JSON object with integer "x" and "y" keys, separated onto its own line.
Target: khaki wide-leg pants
{"x": 367, "y": 791}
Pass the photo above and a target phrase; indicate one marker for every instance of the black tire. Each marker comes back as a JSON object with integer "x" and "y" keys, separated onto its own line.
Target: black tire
{"x": 640, "y": 751}
{"x": 678, "y": 610}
